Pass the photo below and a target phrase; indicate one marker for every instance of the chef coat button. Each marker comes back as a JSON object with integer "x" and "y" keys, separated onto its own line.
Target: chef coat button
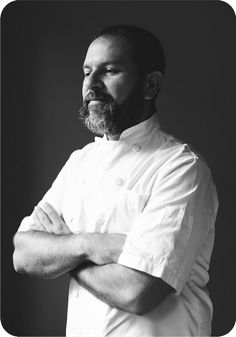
{"x": 136, "y": 148}
{"x": 119, "y": 181}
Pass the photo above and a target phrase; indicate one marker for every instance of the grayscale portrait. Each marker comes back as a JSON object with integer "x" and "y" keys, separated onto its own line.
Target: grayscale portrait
{"x": 117, "y": 160}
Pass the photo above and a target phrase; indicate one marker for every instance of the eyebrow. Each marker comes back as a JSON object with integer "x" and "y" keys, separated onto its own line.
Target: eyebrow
{"x": 103, "y": 64}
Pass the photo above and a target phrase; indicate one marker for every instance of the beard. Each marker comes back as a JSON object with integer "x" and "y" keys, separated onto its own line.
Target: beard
{"x": 100, "y": 117}
{"x": 109, "y": 117}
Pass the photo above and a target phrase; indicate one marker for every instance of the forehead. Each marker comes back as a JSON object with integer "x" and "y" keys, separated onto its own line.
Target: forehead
{"x": 109, "y": 49}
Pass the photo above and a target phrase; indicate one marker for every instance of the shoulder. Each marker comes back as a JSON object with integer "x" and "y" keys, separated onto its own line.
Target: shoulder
{"x": 76, "y": 158}
{"x": 178, "y": 156}
{"x": 78, "y": 154}
{"x": 184, "y": 173}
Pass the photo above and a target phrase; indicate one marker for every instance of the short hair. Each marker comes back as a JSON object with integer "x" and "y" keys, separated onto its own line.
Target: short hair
{"x": 146, "y": 50}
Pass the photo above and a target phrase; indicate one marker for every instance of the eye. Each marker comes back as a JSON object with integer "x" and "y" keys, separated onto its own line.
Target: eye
{"x": 86, "y": 74}
{"x": 112, "y": 71}
{"x": 87, "y": 71}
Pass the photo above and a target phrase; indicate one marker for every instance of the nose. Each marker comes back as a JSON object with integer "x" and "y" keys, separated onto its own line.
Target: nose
{"x": 93, "y": 81}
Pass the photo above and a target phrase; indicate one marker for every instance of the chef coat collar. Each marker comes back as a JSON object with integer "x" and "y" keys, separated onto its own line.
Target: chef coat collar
{"x": 138, "y": 133}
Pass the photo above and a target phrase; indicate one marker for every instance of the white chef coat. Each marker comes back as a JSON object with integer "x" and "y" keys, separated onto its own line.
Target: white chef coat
{"x": 160, "y": 192}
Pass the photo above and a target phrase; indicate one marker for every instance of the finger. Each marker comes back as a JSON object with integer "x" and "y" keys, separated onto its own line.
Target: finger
{"x": 43, "y": 218}
{"x": 60, "y": 226}
{"x": 52, "y": 213}
{"x": 37, "y": 225}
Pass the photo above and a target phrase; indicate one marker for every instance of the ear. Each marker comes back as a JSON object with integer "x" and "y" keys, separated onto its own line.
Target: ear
{"x": 152, "y": 84}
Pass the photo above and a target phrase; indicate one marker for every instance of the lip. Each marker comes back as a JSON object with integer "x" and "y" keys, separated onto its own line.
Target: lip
{"x": 97, "y": 100}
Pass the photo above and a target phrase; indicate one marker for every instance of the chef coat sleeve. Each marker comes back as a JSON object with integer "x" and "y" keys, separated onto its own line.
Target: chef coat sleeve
{"x": 166, "y": 237}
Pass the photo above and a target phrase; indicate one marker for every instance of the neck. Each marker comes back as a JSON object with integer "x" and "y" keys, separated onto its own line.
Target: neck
{"x": 113, "y": 137}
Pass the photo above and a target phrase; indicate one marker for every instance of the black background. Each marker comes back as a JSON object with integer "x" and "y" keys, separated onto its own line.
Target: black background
{"x": 43, "y": 47}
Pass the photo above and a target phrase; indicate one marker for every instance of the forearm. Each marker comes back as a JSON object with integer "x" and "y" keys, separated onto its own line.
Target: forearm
{"x": 51, "y": 249}
{"x": 108, "y": 282}
{"x": 122, "y": 287}
{"x": 46, "y": 255}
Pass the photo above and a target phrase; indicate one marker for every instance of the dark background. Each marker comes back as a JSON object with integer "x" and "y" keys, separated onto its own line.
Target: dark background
{"x": 43, "y": 47}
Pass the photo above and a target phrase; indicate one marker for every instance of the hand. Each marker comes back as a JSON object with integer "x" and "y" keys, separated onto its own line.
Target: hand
{"x": 49, "y": 220}
{"x": 105, "y": 248}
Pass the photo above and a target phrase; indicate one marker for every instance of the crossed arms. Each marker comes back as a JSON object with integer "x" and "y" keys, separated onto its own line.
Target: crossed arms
{"x": 50, "y": 249}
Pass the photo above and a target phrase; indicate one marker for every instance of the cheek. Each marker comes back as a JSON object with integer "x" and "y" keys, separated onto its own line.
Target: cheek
{"x": 120, "y": 90}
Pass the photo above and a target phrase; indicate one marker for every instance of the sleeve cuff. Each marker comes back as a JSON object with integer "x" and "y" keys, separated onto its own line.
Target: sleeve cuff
{"x": 148, "y": 266}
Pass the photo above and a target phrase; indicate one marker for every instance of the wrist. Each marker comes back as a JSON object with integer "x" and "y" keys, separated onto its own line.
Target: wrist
{"x": 78, "y": 244}
{"x": 102, "y": 248}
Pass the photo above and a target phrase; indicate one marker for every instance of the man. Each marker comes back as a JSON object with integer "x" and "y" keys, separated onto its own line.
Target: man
{"x": 130, "y": 216}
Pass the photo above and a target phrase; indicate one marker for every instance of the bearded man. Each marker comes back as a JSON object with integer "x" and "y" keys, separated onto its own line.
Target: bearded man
{"x": 130, "y": 216}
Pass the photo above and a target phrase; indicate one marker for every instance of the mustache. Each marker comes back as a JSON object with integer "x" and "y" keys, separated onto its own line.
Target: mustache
{"x": 103, "y": 108}
{"x": 95, "y": 95}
